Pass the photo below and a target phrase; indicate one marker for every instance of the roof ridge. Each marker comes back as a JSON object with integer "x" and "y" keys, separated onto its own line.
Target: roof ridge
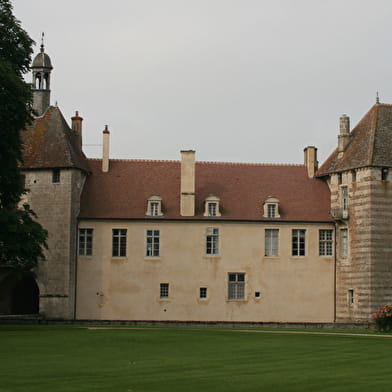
{"x": 251, "y": 163}
{"x": 135, "y": 160}
{"x": 202, "y": 162}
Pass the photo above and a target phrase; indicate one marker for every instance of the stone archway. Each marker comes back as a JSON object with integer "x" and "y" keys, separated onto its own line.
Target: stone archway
{"x": 25, "y": 296}
{"x": 18, "y": 294}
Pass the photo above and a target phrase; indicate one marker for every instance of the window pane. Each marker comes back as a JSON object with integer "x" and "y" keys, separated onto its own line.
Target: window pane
{"x": 164, "y": 290}
{"x": 119, "y": 242}
{"x": 298, "y": 242}
{"x": 236, "y": 286}
{"x": 152, "y": 243}
{"x": 212, "y": 241}
{"x": 271, "y": 242}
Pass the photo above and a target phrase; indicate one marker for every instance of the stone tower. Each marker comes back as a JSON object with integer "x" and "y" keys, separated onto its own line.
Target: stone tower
{"x": 359, "y": 177}
{"x": 55, "y": 169}
{"x": 41, "y": 69}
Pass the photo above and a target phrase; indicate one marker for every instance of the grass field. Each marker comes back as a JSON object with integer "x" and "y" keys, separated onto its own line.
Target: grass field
{"x": 68, "y": 358}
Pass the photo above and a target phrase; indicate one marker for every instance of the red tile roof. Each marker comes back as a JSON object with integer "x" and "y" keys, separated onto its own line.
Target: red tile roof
{"x": 242, "y": 188}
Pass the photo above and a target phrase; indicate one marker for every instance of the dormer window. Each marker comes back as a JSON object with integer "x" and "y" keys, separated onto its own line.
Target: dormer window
{"x": 211, "y": 207}
{"x": 271, "y": 208}
{"x": 154, "y": 206}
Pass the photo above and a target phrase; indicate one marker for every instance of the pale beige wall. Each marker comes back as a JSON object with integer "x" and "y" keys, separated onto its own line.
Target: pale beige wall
{"x": 296, "y": 289}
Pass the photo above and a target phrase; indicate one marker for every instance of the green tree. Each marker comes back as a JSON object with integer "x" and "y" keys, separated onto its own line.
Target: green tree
{"x": 22, "y": 239}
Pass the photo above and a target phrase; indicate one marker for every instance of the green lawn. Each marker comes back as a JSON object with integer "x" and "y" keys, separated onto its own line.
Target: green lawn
{"x": 68, "y": 358}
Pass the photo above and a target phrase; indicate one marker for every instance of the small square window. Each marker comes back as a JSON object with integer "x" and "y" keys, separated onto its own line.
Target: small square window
{"x": 164, "y": 290}
{"x": 203, "y": 292}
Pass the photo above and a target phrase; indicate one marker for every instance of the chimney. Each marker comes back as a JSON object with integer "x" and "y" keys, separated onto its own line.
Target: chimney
{"x": 187, "y": 204}
{"x": 344, "y": 135}
{"x": 77, "y": 127}
{"x": 311, "y": 163}
{"x": 105, "y": 150}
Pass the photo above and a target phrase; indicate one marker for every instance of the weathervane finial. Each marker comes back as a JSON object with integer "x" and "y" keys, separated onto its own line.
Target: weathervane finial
{"x": 42, "y": 42}
{"x": 377, "y": 98}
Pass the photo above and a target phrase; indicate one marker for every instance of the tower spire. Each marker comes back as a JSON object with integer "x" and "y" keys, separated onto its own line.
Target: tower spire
{"x": 377, "y": 98}
{"x": 42, "y": 42}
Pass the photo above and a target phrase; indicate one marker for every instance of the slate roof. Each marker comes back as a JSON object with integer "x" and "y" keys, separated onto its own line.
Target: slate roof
{"x": 370, "y": 143}
{"x": 50, "y": 143}
{"x": 242, "y": 188}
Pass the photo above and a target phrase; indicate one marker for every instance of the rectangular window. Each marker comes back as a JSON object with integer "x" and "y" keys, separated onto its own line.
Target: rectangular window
{"x": 203, "y": 292}
{"x": 152, "y": 243}
{"x": 119, "y": 242}
{"x": 56, "y": 175}
{"x": 344, "y": 200}
{"x": 271, "y": 210}
{"x": 271, "y": 247}
{"x": 343, "y": 243}
{"x": 236, "y": 286}
{"x": 164, "y": 290}
{"x": 211, "y": 209}
{"x": 212, "y": 241}
{"x": 298, "y": 242}
{"x": 154, "y": 208}
{"x": 85, "y": 242}
{"x": 351, "y": 297}
{"x": 326, "y": 242}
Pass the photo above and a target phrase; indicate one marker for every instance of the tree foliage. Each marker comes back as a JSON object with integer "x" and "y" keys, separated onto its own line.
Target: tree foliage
{"x": 21, "y": 238}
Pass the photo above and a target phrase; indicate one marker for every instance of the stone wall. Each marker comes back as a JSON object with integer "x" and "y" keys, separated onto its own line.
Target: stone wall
{"x": 367, "y": 268}
{"x": 57, "y": 207}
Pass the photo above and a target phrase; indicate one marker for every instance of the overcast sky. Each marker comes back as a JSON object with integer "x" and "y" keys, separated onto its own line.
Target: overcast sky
{"x": 236, "y": 80}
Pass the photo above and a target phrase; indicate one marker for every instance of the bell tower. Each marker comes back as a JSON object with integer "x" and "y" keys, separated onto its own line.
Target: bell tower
{"x": 41, "y": 69}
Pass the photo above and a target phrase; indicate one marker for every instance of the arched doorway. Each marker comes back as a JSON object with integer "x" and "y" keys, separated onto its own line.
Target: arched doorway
{"x": 25, "y": 296}
{"x": 18, "y": 294}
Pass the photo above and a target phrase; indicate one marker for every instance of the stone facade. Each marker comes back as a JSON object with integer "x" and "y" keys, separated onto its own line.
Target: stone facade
{"x": 57, "y": 207}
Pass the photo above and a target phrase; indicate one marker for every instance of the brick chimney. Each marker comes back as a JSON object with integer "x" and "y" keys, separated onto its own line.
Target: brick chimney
{"x": 187, "y": 204}
{"x": 77, "y": 127}
{"x": 105, "y": 150}
{"x": 344, "y": 135}
{"x": 311, "y": 163}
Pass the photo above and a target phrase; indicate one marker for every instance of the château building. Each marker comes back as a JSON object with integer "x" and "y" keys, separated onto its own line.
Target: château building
{"x": 206, "y": 241}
